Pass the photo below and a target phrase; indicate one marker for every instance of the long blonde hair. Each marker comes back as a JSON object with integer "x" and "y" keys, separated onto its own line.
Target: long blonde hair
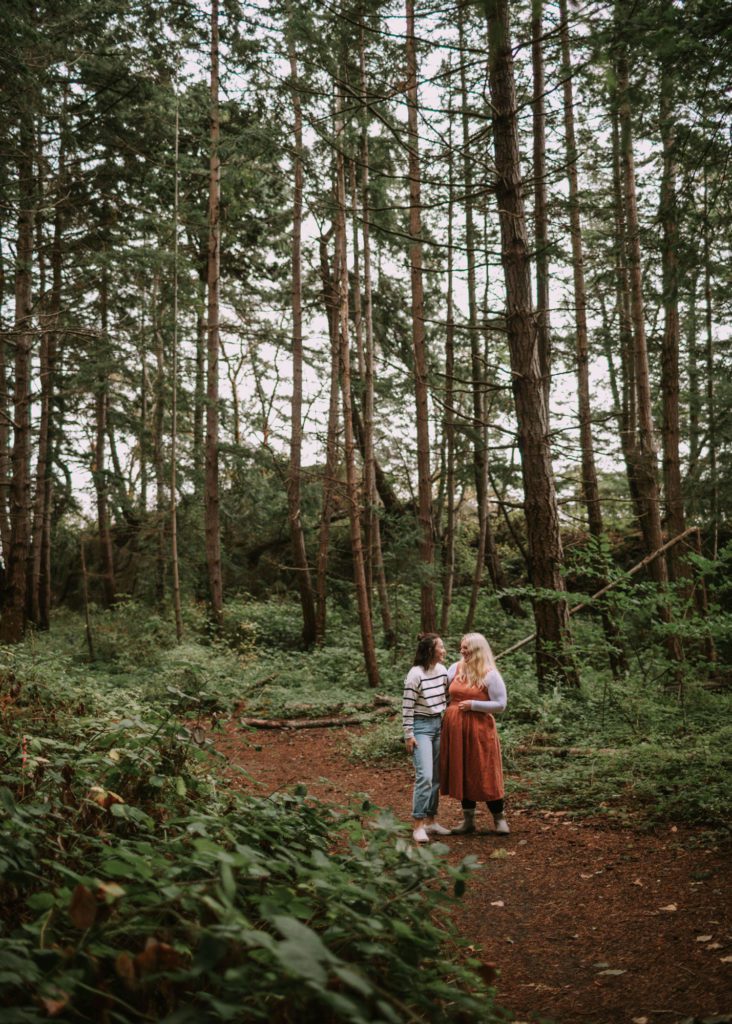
{"x": 479, "y": 661}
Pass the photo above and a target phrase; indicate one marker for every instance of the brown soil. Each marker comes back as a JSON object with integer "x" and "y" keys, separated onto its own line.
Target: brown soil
{"x": 586, "y": 924}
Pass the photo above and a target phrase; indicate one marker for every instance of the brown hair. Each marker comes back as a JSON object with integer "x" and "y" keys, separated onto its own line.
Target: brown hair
{"x": 425, "y": 653}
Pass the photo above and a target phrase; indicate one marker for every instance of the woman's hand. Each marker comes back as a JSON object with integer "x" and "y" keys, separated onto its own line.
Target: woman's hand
{"x": 410, "y": 744}
{"x": 466, "y": 705}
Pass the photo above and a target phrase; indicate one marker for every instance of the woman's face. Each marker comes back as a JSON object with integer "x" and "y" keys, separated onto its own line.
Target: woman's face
{"x": 465, "y": 651}
{"x": 440, "y": 651}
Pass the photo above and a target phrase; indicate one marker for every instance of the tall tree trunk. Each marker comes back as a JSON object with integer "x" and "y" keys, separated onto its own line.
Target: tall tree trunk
{"x": 199, "y": 386}
{"x": 13, "y": 620}
{"x": 174, "y": 561}
{"x": 709, "y": 352}
{"x": 101, "y": 477}
{"x": 554, "y": 659}
{"x": 426, "y": 547}
{"x": 695, "y": 403}
{"x": 369, "y": 454}
{"x": 541, "y": 223}
{"x": 647, "y": 467}
{"x": 330, "y": 299}
{"x": 5, "y": 423}
{"x": 590, "y": 488}
{"x": 509, "y": 602}
{"x": 627, "y": 408}
{"x": 211, "y": 487}
{"x": 364, "y": 611}
{"x": 367, "y": 510}
{"x": 675, "y": 519}
{"x": 480, "y": 440}
{"x": 646, "y": 474}
{"x": 39, "y": 582}
{"x": 159, "y": 456}
{"x": 297, "y": 534}
{"x": 448, "y": 545}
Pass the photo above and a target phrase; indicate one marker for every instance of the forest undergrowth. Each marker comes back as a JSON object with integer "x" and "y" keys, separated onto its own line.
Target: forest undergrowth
{"x": 139, "y": 883}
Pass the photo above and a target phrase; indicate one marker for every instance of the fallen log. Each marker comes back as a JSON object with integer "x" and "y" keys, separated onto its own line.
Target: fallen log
{"x": 311, "y": 723}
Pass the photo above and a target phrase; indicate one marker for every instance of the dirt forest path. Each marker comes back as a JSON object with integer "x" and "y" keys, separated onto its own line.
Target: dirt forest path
{"x": 586, "y": 924}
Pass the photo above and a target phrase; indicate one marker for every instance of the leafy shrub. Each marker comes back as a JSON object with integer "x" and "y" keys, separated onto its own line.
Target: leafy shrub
{"x": 137, "y": 884}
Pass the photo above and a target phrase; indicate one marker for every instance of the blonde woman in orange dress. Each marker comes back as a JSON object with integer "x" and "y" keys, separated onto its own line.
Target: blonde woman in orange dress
{"x": 470, "y": 751}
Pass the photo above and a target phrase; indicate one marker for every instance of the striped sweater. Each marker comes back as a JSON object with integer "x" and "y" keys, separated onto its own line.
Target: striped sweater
{"x": 425, "y": 693}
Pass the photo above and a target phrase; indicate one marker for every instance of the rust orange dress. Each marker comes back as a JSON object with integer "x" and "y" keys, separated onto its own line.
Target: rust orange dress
{"x": 470, "y": 751}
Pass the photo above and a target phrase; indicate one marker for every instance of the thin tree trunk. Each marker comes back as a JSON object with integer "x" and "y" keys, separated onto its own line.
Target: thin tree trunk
{"x": 13, "y": 620}
{"x": 448, "y": 548}
{"x": 174, "y": 561}
{"x": 299, "y": 552}
{"x": 39, "y": 582}
{"x": 5, "y": 422}
{"x": 426, "y": 547}
{"x": 158, "y": 454}
{"x": 647, "y": 478}
{"x": 199, "y": 387}
{"x": 101, "y": 479}
{"x": 554, "y": 660}
{"x": 627, "y": 414}
{"x": 369, "y": 454}
{"x": 85, "y": 595}
{"x": 541, "y": 223}
{"x": 695, "y": 403}
{"x": 364, "y": 611}
{"x": 711, "y": 403}
{"x": 675, "y": 519}
{"x": 509, "y": 602}
{"x": 647, "y": 467}
{"x": 142, "y": 431}
{"x": 330, "y": 299}
{"x": 367, "y": 511}
{"x": 211, "y": 492}
{"x": 480, "y": 441}
{"x": 590, "y": 488}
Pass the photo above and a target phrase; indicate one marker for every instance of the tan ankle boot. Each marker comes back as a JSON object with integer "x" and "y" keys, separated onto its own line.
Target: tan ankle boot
{"x": 467, "y": 825}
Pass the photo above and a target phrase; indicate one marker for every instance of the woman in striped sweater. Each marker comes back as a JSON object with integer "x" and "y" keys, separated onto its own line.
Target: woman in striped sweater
{"x": 424, "y": 703}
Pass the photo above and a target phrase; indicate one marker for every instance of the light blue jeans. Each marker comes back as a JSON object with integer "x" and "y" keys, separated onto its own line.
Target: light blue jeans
{"x": 426, "y": 757}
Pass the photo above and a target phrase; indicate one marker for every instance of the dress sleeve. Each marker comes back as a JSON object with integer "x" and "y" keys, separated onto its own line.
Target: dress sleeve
{"x": 497, "y": 698}
{"x": 411, "y": 690}
{"x": 451, "y": 673}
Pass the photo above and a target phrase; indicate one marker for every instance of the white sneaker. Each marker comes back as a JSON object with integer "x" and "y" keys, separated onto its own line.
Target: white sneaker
{"x": 501, "y": 826}
{"x": 420, "y": 835}
{"x": 436, "y": 829}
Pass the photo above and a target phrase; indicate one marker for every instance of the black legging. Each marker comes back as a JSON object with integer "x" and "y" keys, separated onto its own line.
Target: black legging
{"x": 494, "y": 806}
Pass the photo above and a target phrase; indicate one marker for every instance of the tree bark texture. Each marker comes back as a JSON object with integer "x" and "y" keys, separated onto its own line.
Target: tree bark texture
{"x": 541, "y": 221}
{"x": 13, "y": 620}
{"x": 211, "y": 485}
{"x": 354, "y": 515}
{"x": 297, "y": 533}
{"x": 419, "y": 344}
{"x": 554, "y": 660}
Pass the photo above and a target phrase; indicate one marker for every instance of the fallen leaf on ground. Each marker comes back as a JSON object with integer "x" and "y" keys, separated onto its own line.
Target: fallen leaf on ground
{"x": 725, "y": 959}
{"x": 498, "y": 855}
{"x": 498, "y": 903}
{"x": 703, "y": 938}
{"x": 640, "y": 1020}
{"x": 670, "y": 907}
{"x": 614, "y": 970}
{"x": 714, "y": 945}
{"x": 582, "y": 875}
{"x": 637, "y": 881}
